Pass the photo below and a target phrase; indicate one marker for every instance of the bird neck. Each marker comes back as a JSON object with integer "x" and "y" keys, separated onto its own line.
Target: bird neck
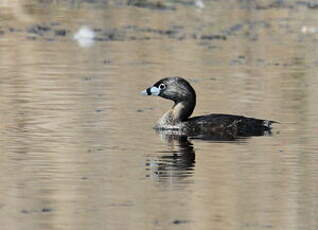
{"x": 181, "y": 111}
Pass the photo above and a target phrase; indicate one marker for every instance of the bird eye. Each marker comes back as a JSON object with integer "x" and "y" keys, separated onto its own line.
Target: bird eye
{"x": 162, "y": 86}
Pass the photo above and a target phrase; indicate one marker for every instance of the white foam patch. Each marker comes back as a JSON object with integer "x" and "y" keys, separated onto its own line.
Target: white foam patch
{"x": 85, "y": 36}
{"x": 200, "y": 4}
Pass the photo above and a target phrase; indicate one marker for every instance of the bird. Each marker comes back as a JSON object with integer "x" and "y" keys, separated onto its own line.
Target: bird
{"x": 178, "y": 118}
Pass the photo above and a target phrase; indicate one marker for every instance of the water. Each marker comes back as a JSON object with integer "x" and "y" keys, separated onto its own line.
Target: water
{"x": 77, "y": 147}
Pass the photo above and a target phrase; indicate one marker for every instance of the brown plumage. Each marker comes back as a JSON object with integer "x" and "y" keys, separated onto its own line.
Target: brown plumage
{"x": 178, "y": 118}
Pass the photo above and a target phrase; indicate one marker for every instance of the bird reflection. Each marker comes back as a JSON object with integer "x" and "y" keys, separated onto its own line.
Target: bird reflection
{"x": 177, "y": 162}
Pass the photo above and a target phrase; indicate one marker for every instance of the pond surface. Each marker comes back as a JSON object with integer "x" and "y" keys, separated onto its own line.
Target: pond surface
{"x": 77, "y": 146}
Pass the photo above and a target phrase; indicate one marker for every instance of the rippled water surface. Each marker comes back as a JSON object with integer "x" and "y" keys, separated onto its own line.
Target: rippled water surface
{"x": 77, "y": 146}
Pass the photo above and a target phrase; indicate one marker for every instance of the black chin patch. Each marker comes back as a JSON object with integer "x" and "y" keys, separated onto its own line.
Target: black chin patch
{"x": 148, "y": 91}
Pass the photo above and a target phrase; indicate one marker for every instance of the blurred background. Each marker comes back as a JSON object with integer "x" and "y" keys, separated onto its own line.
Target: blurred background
{"x": 77, "y": 146}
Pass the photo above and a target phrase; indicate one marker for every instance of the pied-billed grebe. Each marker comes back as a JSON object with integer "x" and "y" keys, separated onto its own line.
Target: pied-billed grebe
{"x": 178, "y": 118}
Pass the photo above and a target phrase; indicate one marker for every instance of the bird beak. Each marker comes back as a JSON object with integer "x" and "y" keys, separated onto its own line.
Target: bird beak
{"x": 151, "y": 91}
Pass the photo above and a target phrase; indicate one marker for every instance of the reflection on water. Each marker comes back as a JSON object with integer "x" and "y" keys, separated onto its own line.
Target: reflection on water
{"x": 77, "y": 147}
{"x": 177, "y": 162}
